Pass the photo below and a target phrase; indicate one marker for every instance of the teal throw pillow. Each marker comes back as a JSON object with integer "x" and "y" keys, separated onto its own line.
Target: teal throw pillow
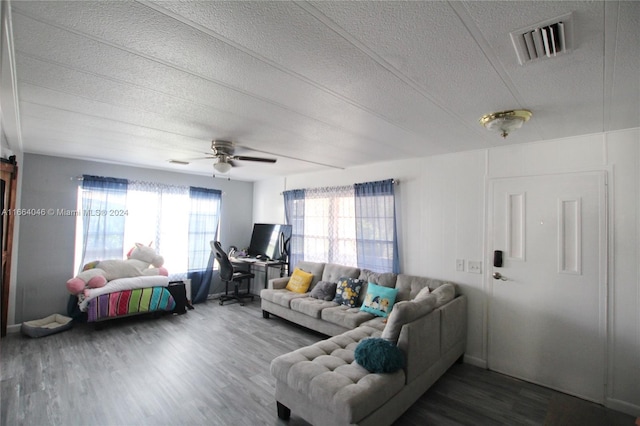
{"x": 379, "y": 300}
{"x": 379, "y": 355}
{"x": 347, "y": 291}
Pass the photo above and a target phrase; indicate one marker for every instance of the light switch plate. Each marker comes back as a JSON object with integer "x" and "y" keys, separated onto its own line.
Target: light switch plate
{"x": 475, "y": 267}
{"x": 460, "y": 265}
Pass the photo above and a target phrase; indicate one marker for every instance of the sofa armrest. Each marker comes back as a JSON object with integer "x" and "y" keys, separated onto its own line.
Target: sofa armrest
{"x": 420, "y": 342}
{"x": 278, "y": 283}
{"x": 453, "y": 323}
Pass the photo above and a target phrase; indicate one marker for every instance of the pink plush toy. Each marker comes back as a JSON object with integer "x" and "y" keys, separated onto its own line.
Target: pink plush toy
{"x": 97, "y": 274}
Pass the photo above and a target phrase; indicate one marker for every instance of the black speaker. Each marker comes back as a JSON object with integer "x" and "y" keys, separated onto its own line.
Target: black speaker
{"x": 179, "y": 293}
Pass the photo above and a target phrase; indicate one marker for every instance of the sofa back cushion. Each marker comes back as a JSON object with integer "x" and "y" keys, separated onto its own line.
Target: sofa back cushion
{"x": 314, "y": 268}
{"x": 405, "y": 312}
{"x": 333, "y": 272}
{"x": 409, "y": 285}
{"x": 385, "y": 279}
{"x": 444, "y": 294}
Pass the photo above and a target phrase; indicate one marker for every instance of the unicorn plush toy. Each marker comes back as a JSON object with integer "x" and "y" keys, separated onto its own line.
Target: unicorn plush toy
{"x": 139, "y": 261}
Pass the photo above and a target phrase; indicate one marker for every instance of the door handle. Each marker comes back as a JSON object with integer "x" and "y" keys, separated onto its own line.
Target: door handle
{"x": 498, "y": 276}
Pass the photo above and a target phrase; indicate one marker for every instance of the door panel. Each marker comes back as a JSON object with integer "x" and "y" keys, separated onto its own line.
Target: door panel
{"x": 547, "y": 319}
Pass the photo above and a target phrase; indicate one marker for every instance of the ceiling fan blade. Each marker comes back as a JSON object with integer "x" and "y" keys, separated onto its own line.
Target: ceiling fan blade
{"x": 258, "y": 159}
{"x": 292, "y": 158}
{"x": 190, "y": 159}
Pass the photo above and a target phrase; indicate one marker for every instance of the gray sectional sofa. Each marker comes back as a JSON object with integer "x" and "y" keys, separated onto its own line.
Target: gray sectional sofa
{"x": 323, "y": 384}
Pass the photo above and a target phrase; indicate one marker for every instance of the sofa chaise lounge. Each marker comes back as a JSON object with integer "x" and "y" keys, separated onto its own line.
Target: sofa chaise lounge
{"x": 323, "y": 384}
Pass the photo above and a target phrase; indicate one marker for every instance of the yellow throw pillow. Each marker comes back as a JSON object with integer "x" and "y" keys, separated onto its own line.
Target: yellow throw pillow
{"x": 299, "y": 281}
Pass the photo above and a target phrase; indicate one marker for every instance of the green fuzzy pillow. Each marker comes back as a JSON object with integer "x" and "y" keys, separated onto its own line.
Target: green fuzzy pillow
{"x": 379, "y": 355}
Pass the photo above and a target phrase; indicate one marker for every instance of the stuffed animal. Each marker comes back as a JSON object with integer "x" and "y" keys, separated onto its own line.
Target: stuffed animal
{"x": 97, "y": 274}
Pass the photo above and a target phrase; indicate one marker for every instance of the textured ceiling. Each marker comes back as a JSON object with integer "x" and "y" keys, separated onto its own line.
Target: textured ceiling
{"x": 314, "y": 84}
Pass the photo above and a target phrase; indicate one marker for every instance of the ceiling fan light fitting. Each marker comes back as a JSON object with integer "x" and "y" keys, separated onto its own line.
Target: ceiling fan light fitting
{"x": 222, "y": 167}
{"x": 505, "y": 122}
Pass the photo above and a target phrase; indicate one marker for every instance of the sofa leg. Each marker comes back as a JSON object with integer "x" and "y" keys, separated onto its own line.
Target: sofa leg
{"x": 284, "y": 412}
{"x": 265, "y": 314}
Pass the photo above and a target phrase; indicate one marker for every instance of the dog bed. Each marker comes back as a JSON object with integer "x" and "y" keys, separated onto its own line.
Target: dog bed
{"x": 43, "y": 327}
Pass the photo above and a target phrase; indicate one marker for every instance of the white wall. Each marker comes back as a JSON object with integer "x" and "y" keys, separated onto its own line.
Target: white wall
{"x": 623, "y": 153}
{"x": 441, "y": 203}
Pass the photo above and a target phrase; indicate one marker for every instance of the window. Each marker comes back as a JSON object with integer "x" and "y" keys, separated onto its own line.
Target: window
{"x": 159, "y": 215}
{"x": 101, "y": 235}
{"x": 329, "y": 226}
{"x": 350, "y": 225}
{"x": 179, "y": 222}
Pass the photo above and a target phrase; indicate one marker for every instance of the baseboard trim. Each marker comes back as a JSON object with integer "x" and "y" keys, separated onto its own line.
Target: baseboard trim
{"x": 623, "y": 407}
{"x": 15, "y": 328}
{"x": 476, "y": 362}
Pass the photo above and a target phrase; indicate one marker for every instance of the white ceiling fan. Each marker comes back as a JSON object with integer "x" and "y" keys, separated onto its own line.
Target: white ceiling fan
{"x": 223, "y": 152}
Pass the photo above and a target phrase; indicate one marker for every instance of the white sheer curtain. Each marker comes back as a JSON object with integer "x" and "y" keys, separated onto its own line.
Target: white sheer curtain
{"x": 294, "y": 212}
{"x": 159, "y": 214}
{"x": 330, "y": 226}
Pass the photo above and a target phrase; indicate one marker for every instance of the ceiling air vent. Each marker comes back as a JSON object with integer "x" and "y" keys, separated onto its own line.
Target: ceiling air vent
{"x": 544, "y": 40}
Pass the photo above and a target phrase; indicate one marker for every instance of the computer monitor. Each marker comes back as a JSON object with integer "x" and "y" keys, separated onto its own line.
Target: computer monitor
{"x": 270, "y": 240}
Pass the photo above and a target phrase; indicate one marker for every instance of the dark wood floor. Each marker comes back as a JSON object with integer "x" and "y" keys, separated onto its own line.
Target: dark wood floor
{"x": 211, "y": 367}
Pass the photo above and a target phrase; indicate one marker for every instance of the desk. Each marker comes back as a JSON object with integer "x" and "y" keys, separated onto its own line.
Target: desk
{"x": 261, "y": 264}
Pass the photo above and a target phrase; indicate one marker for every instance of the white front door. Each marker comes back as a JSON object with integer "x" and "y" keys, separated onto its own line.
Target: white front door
{"x": 547, "y": 316}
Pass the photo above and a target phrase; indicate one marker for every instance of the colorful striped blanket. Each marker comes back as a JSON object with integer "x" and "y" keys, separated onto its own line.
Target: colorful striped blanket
{"x": 129, "y": 302}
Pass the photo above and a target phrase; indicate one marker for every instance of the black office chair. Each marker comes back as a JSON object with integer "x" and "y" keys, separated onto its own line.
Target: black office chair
{"x": 229, "y": 275}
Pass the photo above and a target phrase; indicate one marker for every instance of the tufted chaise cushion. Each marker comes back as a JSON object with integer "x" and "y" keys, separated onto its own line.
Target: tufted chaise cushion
{"x": 378, "y": 323}
{"x": 327, "y": 373}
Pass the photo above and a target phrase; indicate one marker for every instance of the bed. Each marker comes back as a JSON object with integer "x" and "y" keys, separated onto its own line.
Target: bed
{"x": 127, "y": 296}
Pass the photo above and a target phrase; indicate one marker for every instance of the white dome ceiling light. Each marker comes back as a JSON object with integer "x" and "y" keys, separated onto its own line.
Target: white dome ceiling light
{"x": 222, "y": 166}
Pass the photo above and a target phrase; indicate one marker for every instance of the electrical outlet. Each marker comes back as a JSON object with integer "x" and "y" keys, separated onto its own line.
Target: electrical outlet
{"x": 460, "y": 265}
{"x": 475, "y": 267}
